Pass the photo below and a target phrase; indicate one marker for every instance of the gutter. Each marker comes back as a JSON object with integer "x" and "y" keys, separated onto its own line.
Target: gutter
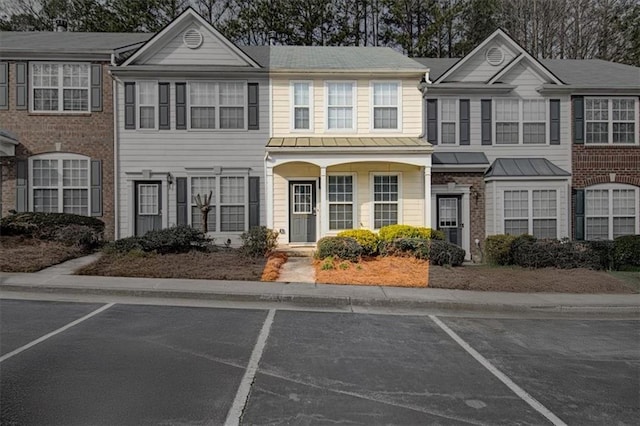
{"x": 116, "y": 156}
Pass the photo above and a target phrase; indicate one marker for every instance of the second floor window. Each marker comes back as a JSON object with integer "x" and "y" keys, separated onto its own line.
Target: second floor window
{"x": 521, "y": 121}
{"x": 147, "y": 104}
{"x": 610, "y": 120}
{"x": 385, "y": 105}
{"x": 340, "y": 106}
{"x": 507, "y": 121}
{"x": 301, "y": 109}
{"x": 60, "y": 87}
{"x": 217, "y": 105}
{"x": 448, "y": 122}
{"x": 534, "y": 117}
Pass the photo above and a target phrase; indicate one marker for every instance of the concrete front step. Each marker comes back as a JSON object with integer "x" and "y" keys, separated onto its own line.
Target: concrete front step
{"x": 297, "y": 251}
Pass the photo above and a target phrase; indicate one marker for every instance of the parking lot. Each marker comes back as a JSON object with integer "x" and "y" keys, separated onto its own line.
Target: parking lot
{"x": 64, "y": 363}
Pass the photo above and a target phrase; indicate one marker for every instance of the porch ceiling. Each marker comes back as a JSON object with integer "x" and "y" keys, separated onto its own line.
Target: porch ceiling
{"x": 348, "y": 144}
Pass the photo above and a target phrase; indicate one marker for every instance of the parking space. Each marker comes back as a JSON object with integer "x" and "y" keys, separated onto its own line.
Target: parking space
{"x": 143, "y": 364}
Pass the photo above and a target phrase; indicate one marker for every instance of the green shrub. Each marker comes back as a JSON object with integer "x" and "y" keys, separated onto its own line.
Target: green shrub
{"x": 407, "y": 247}
{"x": 81, "y": 236}
{"x": 497, "y": 249}
{"x": 626, "y": 251}
{"x": 47, "y": 225}
{"x": 603, "y": 249}
{"x": 368, "y": 240}
{"x": 555, "y": 254}
{"x": 177, "y": 239}
{"x": 391, "y": 232}
{"x": 125, "y": 245}
{"x": 259, "y": 241}
{"x": 327, "y": 264}
{"x": 344, "y": 248}
{"x": 444, "y": 253}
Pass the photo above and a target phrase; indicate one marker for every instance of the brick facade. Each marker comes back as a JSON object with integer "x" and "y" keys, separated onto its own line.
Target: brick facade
{"x": 476, "y": 203}
{"x": 89, "y": 134}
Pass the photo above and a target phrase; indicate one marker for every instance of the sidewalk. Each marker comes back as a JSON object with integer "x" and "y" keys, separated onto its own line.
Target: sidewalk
{"x": 58, "y": 279}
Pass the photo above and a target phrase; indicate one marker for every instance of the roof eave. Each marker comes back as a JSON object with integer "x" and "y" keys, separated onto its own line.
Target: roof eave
{"x": 586, "y": 90}
{"x": 527, "y": 178}
{"x": 459, "y": 168}
{"x": 480, "y": 88}
{"x": 350, "y": 150}
{"x": 31, "y": 54}
{"x": 369, "y": 71}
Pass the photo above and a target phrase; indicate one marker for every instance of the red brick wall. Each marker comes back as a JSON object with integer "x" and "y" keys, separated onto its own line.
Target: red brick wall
{"x": 476, "y": 202}
{"x": 89, "y": 134}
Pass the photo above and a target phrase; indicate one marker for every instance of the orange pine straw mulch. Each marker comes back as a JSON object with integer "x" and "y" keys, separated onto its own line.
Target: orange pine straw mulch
{"x": 391, "y": 271}
{"x": 271, "y": 270}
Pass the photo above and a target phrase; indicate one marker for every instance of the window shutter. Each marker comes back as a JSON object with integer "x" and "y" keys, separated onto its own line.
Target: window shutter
{"x": 4, "y": 85}
{"x": 96, "y": 87}
{"x": 96, "y": 188}
{"x": 254, "y": 201}
{"x": 181, "y": 106}
{"x": 254, "y": 113}
{"x": 554, "y": 120}
{"x": 163, "y": 95}
{"x": 485, "y": 114}
{"x": 22, "y": 86}
{"x": 465, "y": 131}
{"x": 130, "y": 105}
{"x": 181, "y": 201}
{"x": 432, "y": 121}
{"x": 22, "y": 180}
{"x": 578, "y": 119}
{"x": 579, "y": 214}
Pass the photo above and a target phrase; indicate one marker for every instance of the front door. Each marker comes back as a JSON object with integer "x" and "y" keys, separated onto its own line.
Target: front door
{"x": 148, "y": 196}
{"x": 449, "y": 218}
{"x": 302, "y": 211}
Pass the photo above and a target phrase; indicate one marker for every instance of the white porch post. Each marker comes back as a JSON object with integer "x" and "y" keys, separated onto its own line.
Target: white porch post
{"x": 324, "y": 207}
{"x": 268, "y": 192}
{"x": 427, "y": 196}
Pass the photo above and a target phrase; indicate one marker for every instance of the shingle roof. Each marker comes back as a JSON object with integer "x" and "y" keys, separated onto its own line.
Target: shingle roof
{"x": 437, "y": 66}
{"x": 78, "y": 42}
{"x": 331, "y": 58}
{"x": 524, "y": 167}
{"x": 458, "y": 158}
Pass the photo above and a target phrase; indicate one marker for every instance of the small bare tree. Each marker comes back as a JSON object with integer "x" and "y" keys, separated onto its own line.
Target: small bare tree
{"x": 204, "y": 205}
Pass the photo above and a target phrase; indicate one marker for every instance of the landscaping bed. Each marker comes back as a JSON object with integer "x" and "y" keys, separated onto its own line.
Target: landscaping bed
{"x": 26, "y": 254}
{"x": 392, "y": 271}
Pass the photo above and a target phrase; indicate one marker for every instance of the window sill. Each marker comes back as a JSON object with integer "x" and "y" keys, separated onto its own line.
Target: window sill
{"x": 612, "y": 145}
{"x": 59, "y": 113}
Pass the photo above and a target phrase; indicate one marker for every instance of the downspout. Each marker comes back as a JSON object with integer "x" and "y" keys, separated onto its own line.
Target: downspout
{"x": 116, "y": 171}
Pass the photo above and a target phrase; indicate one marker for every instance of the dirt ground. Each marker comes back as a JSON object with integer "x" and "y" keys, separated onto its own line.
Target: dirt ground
{"x": 22, "y": 254}
{"x": 392, "y": 271}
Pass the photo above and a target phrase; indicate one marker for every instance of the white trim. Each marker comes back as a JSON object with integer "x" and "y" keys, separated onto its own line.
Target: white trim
{"x": 372, "y": 201}
{"x": 217, "y": 106}
{"x": 156, "y": 106}
{"x": 530, "y": 218}
{"x": 506, "y": 69}
{"x": 354, "y": 201}
{"x": 60, "y": 88}
{"x": 292, "y": 106}
{"x": 354, "y": 106}
{"x": 610, "y": 187}
{"x": 372, "y": 106}
{"x": 610, "y": 120}
{"x": 287, "y": 228}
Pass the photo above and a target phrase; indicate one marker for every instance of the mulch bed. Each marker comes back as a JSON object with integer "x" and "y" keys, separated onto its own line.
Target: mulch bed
{"x": 25, "y": 254}
{"x": 391, "y": 271}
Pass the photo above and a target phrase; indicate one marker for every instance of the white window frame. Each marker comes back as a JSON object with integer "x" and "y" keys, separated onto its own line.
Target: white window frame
{"x": 218, "y": 105}
{"x": 373, "y": 203}
{"x": 544, "y": 121}
{"x": 354, "y": 197}
{"x": 373, "y": 106}
{"x": 214, "y": 205}
{"x": 530, "y": 218}
{"x": 610, "y": 187}
{"x": 218, "y": 200}
{"x": 610, "y": 121}
{"x": 156, "y": 191}
{"x": 60, "y": 87}
{"x": 156, "y": 106}
{"x": 60, "y": 186}
{"x": 521, "y": 121}
{"x": 456, "y": 122}
{"x": 353, "y": 106}
{"x": 293, "y": 106}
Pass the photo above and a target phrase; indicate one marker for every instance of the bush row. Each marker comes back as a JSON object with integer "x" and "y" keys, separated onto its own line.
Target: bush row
{"x": 371, "y": 243}
{"x": 529, "y": 252}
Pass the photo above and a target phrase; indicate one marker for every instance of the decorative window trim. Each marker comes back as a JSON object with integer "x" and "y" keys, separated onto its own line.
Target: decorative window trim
{"x": 156, "y": 106}
{"x": 610, "y": 187}
{"x": 521, "y": 121}
{"x": 292, "y": 106}
{"x": 217, "y": 105}
{"x": 372, "y": 176}
{"x": 60, "y": 87}
{"x": 456, "y": 123}
{"x": 218, "y": 204}
{"x": 530, "y": 218}
{"x": 354, "y": 197}
{"x": 372, "y": 105}
{"x": 354, "y": 106}
{"x": 610, "y": 120}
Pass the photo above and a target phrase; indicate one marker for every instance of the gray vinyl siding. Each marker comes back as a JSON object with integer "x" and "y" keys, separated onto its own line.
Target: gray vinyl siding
{"x": 175, "y": 150}
{"x": 477, "y": 69}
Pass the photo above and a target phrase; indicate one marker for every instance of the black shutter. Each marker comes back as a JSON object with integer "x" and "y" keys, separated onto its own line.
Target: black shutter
{"x": 164, "y": 97}
{"x": 181, "y": 200}
{"x": 554, "y": 121}
{"x": 485, "y": 115}
{"x": 4, "y": 85}
{"x": 22, "y": 180}
{"x": 465, "y": 130}
{"x": 96, "y": 87}
{"x": 579, "y": 214}
{"x": 254, "y": 201}
{"x": 181, "y": 106}
{"x": 130, "y": 105}
{"x": 254, "y": 112}
{"x": 578, "y": 119}
{"x": 432, "y": 121}
{"x": 22, "y": 86}
{"x": 96, "y": 188}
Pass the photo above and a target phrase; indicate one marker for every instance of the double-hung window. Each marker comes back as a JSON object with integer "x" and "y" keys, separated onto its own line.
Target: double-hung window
{"x": 532, "y": 212}
{"x": 202, "y": 103}
{"x": 301, "y": 114}
{"x": 60, "y": 184}
{"x": 232, "y": 105}
{"x": 217, "y": 105}
{"x": 60, "y": 87}
{"x": 611, "y": 211}
{"x": 386, "y": 105}
{"x": 203, "y": 186}
{"x": 386, "y": 199}
{"x": 341, "y": 202}
{"x": 340, "y": 106}
{"x": 611, "y": 120}
{"x": 228, "y": 207}
{"x": 448, "y": 121}
{"x": 534, "y": 121}
{"x": 507, "y": 121}
{"x": 147, "y": 104}
{"x": 520, "y": 121}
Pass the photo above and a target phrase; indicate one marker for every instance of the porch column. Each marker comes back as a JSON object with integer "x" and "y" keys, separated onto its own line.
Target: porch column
{"x": 427, "y": 196}
{"x": 268, "y": 192}
{"x": 324, "y": 206}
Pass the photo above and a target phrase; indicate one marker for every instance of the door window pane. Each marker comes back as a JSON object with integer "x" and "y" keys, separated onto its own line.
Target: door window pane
{"x": 148, "y": 202}
{"x": 448, "y": 212}
{"x": 302, "y": 199}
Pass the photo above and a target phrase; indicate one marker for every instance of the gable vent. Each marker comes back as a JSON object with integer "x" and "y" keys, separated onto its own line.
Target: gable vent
{"x": 495, "y": 56}
{"x": 192, "y": 38}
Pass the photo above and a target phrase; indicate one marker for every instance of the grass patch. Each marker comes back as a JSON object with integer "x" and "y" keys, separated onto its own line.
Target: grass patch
{"x": 630, "y": 278}
{"x": 389, "y": 270}
{"x": 26, "y": 254}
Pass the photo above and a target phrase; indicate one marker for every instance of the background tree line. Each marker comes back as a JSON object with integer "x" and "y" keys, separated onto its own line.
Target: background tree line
{"x": 573, "y": 29}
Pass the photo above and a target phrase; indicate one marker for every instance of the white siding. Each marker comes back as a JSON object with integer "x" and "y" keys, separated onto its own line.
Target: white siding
{"x": 477, "y": 69}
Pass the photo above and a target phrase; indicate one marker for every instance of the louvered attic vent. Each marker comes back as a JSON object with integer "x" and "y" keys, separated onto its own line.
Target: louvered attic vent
{"x": 495, "y": 56}
{"x": 192, "y": 38}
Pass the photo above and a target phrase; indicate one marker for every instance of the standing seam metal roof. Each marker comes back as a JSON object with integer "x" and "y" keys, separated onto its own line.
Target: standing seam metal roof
{"x": 525, "y": 167}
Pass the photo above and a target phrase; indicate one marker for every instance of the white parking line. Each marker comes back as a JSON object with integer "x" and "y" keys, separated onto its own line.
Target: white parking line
{"x": 534, "y": 403}
{"x": 53, "y": 333}
{"x": 235, "y": 412}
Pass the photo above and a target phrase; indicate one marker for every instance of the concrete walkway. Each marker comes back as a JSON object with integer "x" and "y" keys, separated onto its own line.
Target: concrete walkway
{"x": 58, "y": 280}
{"x": 297, "y": 270}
